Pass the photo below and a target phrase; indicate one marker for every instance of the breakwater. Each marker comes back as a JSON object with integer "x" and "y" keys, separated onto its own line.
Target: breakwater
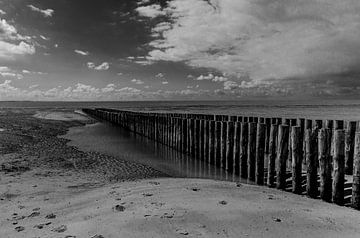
{"x": 319, "y": 158}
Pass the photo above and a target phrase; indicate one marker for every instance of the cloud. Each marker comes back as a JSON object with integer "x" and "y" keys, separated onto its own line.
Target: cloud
{"x": 44, "y": 37}
{"x": 165, "y": 82}
{"x": 101, "y": 67}
{"x": 90, "y": 65}
{"x": 151, "y": 11}
{"x": 261, "y": 40}
{"x": 160, "y": 75}
{"x": 109, "y": 88}
{"x": 80, "y": 52}
{"x": 137, "y": 81}
{"x": 6, "y": 72}
{"x": 9, "y": 49}
{"x": 2, "y": 12}
{"x": 45, "y": 12}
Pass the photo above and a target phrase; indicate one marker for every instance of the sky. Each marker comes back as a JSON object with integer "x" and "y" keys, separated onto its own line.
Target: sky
{"x": 179, "y": 49}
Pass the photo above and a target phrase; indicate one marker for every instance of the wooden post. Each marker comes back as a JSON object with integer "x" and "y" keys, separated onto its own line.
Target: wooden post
{"x": 202, "y": 140}
{"x": 260, "y": 153}
{"x": 339, "y": 167}
{"x": 267, "y": 137}
{"x": 192, "y": 137}
{"x": 207, "y": 141}
{"x": 230, "y": 146}
{"x": 251, "y": 151}
{"x": 282, "y": 155}
{"x": 355, "y": 199}
{"x": 212, "y": 143}
{"x": 197, "y": 138}
{"x": 218, "y": 144}
{"x": 339, "y": 124}
{"x": 272, "y": 155}
{"x": 184, "y": 135}
{"x": 243, "y": 149}
{"x": 349, "y": 146}
{"x": 236, "y": 155}
{"x": 297, "y": 157}
{"x": 223, "y": 144}
{"x": 324, "y": 142}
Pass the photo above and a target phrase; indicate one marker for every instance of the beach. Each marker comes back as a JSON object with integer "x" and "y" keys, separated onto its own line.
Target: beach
{"x": 51, "y": 189}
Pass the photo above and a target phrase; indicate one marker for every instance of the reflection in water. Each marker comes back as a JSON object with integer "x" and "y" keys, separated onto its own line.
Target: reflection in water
{"x": 115, "y": 141}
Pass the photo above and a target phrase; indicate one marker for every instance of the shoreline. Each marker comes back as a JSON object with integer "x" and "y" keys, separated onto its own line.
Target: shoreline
{"x": 51, "y": 189}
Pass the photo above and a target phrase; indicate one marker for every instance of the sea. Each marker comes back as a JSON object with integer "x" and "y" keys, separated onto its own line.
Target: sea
{"x": 311, "y": 108}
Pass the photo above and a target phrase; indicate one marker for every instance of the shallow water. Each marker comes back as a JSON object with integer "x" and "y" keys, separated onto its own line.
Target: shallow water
{"x": 115, "y": 141}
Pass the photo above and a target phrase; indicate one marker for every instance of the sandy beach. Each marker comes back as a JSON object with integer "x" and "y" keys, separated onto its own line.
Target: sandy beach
{"x": 51, "y": 189}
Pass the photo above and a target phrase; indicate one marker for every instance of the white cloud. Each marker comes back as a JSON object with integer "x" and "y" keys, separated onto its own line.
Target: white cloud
{"x": 90, "y": 65}
{"x": 230, "y": 85}
{"x": 45, "y": 12}
{"x": 33, "y": 86}
{"x": 260, "y": 39}
{"x": 2, "y": 12}
{"x": 103, "y": 66}
{"x": 151, "y": 11}
{"x": 137, "y": 81}
{"x": 160, "y": 75}
{"x": 128, "y": 90}
{"x": 80, "y": 52}
{"x": 109, "y": 88}
{"x": 6, "y": 72}
{"x": 8, "y": 46}
{"x": 44, "y": 37}
{"x": 165, "y": 82}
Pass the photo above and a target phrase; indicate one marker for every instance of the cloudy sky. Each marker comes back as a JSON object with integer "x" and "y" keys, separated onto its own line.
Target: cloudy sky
{"x": 178, "y": 49}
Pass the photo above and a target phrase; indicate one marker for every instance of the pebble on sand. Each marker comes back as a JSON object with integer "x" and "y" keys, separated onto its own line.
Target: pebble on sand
{"x": 19, "y": 228}
{"x": 119, "y": 208}
{"x": 60, "y": 229}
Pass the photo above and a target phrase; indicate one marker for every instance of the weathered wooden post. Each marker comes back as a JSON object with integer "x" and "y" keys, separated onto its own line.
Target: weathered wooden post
{"x": 197, "y": 138}
{"x": 212, "y": 143}
{"x": 297, "y": 157}
{"x": 251, "y": 151}
{"x": 260, "y": 153}
{"x": 339, "y": 124}
{"x": 349, "y": 146}
{"x": 202, "y": 140}
{"x": 339, "y": 167}
{"x": 325, "y": 166}
{"x": 236, "y": 154}
{"x": 355, "y": 199}
{"x": 192, "y": 137}
{"x": 244, "y": 136}
{"x": 184, "y": 135}
{"x": 282, "y": 156}
{"x": 223, "y": 144}
{"x": 207, "y": 141}
{"x": 311, "y": 157}
{"x": 230, "y": 146}
{"x": 218, "y": 144}
{"x": 272, "y": 155}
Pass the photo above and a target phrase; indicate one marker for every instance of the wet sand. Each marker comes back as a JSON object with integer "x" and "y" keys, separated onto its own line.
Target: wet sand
{"x": 51, "y": 189}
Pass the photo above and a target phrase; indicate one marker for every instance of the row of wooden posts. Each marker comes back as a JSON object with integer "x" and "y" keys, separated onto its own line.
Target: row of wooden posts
{"x": 264, "y": 150}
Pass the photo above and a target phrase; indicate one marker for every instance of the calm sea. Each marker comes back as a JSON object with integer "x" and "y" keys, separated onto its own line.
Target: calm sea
{"x": 325, "y": 109}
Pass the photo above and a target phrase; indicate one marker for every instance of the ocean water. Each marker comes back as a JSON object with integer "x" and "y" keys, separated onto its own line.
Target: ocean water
{"x": 312, "y": 109}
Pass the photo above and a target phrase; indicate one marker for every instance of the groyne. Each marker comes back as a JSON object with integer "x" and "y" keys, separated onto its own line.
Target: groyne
{"x": 319, "y": 158}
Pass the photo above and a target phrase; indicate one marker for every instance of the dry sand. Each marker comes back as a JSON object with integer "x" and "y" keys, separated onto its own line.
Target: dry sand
{"x": 164, "y": 208}
{"x": 49, "y": 189}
